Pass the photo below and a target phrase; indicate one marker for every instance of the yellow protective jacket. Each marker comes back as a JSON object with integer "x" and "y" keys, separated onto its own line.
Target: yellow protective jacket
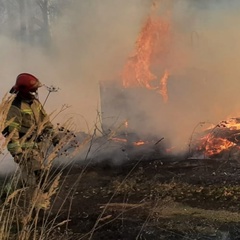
{"x": 28, "y": 120}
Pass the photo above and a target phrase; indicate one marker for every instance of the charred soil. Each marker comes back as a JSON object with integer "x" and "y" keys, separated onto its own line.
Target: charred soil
{"x": 167, "y": 198}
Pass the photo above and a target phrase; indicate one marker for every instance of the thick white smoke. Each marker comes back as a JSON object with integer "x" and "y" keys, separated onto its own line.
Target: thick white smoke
{"x": 93, "y": 39}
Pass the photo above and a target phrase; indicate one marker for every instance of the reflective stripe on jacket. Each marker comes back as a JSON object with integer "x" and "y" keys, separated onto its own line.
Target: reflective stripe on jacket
{"x": 28, "y": 117}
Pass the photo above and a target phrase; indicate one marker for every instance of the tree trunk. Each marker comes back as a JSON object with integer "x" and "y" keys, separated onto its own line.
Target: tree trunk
{"x": 24, "y": 28}
{"x": 46, "y": 33}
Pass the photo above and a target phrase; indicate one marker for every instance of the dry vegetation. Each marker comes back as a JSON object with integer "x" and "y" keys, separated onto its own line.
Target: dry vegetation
{"x": 165, "y": 198}
{"x": 25, "y": 212}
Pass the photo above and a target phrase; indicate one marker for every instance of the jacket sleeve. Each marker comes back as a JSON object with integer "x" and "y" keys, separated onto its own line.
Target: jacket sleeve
{"x": 15, "y": 120}
{"x": 48, "y": 127}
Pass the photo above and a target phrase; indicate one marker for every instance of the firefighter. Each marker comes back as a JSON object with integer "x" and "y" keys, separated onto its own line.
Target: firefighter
{"x": 30, "y": 129}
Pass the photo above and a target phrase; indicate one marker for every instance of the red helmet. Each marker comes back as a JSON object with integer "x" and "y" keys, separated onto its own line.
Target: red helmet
{"x": 26, "y": 82}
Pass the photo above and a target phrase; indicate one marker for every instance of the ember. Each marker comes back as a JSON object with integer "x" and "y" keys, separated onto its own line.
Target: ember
{"x": 139, "y": 143}
{"x": 122, "y": 140}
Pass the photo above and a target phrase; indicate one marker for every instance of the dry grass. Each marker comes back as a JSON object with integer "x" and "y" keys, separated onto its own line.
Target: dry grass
{"x": 171, "y": 209}
{"x": 20, "y": 212}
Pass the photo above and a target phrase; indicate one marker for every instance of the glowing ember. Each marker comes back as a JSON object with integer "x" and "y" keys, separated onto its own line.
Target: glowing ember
{"x": 139, "y": 143}
{"x": 123, "y": 140}
{"x": 169, "y": 150}
{"x": 152, "y": 41}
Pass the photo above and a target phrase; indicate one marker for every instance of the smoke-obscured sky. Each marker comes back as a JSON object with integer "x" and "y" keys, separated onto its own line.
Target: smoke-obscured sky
{"x": 93, "y": 39}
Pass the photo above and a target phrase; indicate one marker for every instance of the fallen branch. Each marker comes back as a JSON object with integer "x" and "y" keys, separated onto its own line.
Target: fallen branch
{"x": 123, "y": 205}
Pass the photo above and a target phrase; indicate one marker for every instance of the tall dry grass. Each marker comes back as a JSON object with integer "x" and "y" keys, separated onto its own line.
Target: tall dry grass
{"x": 25, "y": 214}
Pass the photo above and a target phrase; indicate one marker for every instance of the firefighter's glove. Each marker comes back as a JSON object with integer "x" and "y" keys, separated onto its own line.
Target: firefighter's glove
{"x": 55, "y": 141}
{"x": 42, "y": 137}
{"x": 18, "y": 157}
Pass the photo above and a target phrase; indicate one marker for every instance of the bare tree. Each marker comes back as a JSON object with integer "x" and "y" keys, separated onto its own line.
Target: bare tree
{"x": 29, "y": 21}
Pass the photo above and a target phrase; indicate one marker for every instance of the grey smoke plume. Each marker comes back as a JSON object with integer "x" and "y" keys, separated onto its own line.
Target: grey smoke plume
{"x": 92, "y": 41}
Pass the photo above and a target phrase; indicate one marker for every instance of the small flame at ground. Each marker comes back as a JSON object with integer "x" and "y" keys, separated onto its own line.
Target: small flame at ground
{"x": 217, "y": 145}
{"x": 223, "y": 137}
{"x": 122, "y": 140}
{"x": 139, "y": 143}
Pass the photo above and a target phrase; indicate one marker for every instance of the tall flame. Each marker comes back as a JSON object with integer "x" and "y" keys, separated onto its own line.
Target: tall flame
{"x": 152, "y": 41}
{"x": 163, "y": 86}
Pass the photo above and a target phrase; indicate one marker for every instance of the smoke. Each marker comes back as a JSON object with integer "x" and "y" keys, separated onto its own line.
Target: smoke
{"x": 203, "y": 83}
{"x": 205, "y": 86}
{"x": 95, "y": 42}
{"x": 92, "y": 41}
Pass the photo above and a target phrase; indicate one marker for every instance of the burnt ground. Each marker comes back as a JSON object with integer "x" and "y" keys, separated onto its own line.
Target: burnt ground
{"x": 166, "y": 198}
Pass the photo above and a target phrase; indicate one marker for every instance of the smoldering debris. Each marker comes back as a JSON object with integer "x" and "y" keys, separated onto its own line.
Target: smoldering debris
{"x": 220, "y": 141}
{"x": 114, "y": 148}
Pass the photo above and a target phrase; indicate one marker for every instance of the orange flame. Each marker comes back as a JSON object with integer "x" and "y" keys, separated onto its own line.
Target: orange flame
{"x": 152, "y": 41}
{"x": 116, "y": 139}
{"x": 231, "y": 124}
{"x": 139, "y": 143}
{"x": 163, "y": 86}
{"x": 215, "y": 145}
